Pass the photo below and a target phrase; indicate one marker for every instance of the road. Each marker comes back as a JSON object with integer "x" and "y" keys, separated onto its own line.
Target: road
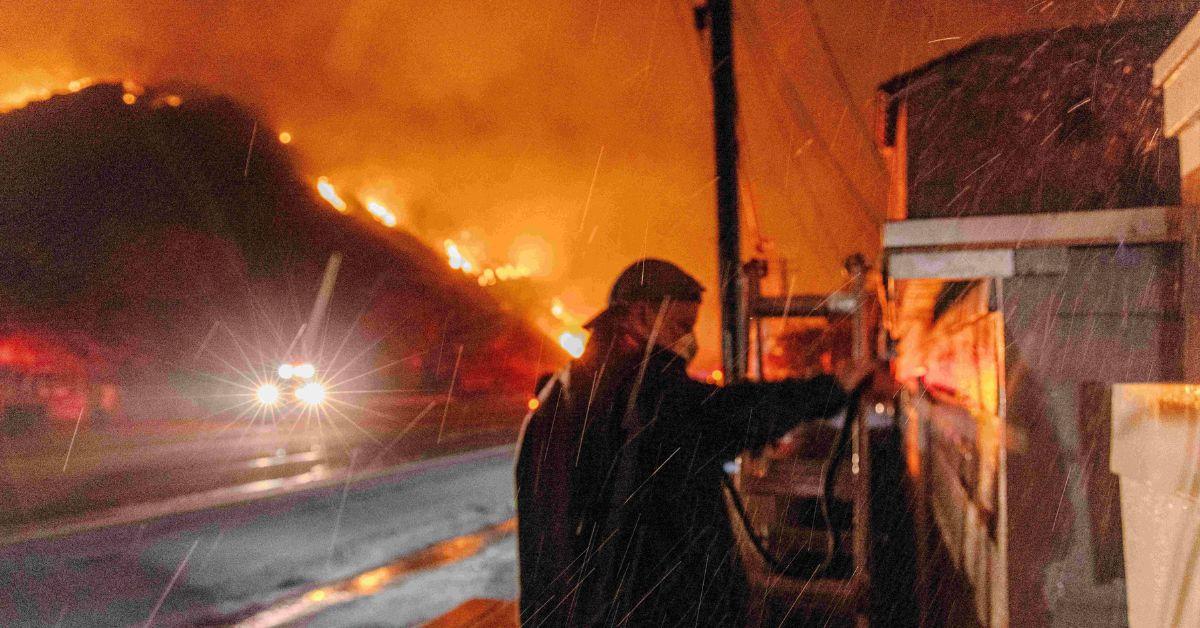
{"x": 394, "y": 549}
{"x": 59, "y": 480}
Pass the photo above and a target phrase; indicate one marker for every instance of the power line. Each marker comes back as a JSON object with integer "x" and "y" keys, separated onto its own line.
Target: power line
{"x": 796, "y": 102}
{"x": 840, "y": 77}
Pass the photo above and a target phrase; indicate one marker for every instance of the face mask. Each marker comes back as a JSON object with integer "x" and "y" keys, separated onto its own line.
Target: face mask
{"x": 686, "y": 347}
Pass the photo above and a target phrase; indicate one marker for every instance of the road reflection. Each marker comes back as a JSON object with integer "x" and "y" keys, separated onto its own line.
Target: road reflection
{"x": 313, "y": 601}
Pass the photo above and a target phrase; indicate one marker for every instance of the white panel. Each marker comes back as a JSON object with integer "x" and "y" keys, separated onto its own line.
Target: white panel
{"x": 1144, "y": 224}
{"x": 1156, "y": 436}
{"x": 1181, "y": 49}
{"x": 1156, "y": 453}
{"x": 951, "y": 264}
{"x": 1181, "y": 95}
{"x": 1189, "y": 148}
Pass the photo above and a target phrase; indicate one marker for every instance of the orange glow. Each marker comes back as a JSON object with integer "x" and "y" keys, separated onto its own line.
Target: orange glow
{"x": 22, "y": 96}
{"x": 78, "y": 84}
{"x": 128, "y": 98}
{"x": 285, "y": 138}
{"x": 371, "y": 581}
{"x": 718, "y": 376}
{"x": 173, "y": 100}
{"x": 534, "y": 404}
{"x": 325, "y": 189}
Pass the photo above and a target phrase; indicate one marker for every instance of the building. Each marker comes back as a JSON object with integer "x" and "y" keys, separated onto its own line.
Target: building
{"x": 1039, "y": 254}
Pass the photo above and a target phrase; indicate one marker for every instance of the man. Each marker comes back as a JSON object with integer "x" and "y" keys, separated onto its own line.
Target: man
{"x": 621, "y": 518}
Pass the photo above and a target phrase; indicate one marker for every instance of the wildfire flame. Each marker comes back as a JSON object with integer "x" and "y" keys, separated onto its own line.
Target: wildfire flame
{"x": 573, "y": 339}
{"x": 459, "y": 259}
{"x": 527, "y": 257}
{"x": 381, "y": 213}
{"x": 573, "y": 342}
{"x": 325, "y": 189}
{"x": 25, "y": 94}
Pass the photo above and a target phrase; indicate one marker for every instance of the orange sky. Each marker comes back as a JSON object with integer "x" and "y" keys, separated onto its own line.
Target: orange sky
{"x": 584, "y": 123}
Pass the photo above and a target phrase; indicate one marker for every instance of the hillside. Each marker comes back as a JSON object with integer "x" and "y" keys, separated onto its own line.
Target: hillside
{"x": 161, "y": 232}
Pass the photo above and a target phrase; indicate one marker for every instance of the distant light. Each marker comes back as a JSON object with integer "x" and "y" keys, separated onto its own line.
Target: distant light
{"x": 285, "y": 138}
{"x": 311, "y": 393}
{"x": 718, "y": 376}
{"x": 305, "y": 370}
{"x": 286, "y": 371}
{"x": 174, "y": 100}
{"x": 534, "y": 404}
{"x": 572, "y": 343}
{"x": 267, "y": 394}
{"x": 128, "y": 98}
{"x": 879, "y": 408}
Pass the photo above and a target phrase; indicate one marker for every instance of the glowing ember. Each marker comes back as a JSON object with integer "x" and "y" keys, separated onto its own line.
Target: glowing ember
{"x": 173, "y": 100}
{"x": 325, "y": 189}
{"x": 285, "y": 138}
{"x": 534, "y": 404}
{"x": 128, "y": 98}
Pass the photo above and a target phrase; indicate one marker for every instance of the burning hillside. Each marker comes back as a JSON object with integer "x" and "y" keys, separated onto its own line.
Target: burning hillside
{"x": 172, "y": 226}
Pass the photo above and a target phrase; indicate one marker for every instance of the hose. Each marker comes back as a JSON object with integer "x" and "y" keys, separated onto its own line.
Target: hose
{"x": 829, "y": 469}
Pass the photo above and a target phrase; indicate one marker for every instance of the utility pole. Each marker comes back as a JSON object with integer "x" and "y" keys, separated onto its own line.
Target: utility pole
{"x": 734, "y": 322}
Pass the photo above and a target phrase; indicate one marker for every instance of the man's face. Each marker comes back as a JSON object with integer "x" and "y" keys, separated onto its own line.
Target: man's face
{"x": 678, "y": 319}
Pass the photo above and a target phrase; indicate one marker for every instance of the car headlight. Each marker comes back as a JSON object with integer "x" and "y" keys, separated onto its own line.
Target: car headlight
{"x": 267, "y": 394}
{"x": 304, "y": 371}
{"x": 311, "y": 393}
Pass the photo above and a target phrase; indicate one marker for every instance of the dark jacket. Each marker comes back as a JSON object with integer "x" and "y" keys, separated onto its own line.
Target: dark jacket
{"x": 621, "y": 518}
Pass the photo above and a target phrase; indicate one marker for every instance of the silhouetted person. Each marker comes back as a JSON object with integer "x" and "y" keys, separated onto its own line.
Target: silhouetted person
{"x": 619, "y": 473}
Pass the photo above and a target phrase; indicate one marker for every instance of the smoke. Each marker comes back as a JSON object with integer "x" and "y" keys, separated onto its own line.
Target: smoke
{"x": 584, "y": 124}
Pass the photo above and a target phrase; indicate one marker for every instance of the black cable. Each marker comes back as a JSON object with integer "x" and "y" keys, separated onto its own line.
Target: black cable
{"x": 833, "y": 540}
{"x": 832, "y": 462}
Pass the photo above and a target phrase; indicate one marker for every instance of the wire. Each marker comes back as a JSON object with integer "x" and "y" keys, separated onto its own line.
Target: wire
{"x": 867, "y": 223}
{"x": 796, "y": 102}
{"x": 844, "y": 85}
